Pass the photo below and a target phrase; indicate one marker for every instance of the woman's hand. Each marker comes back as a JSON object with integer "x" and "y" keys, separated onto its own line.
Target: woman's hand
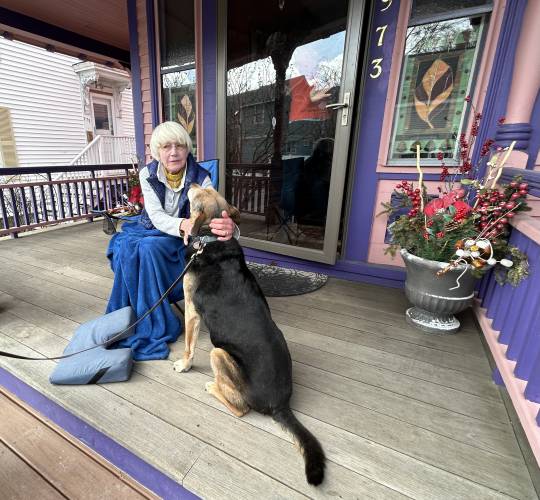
{"x": 186, "y": 226}
{"x": 223, "y": 228}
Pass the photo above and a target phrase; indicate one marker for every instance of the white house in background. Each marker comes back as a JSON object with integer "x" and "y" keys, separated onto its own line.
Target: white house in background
{"x": 53, "y": 107}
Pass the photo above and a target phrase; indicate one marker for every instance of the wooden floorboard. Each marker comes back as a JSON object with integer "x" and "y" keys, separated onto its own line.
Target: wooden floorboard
{"x": 399, "y": 413}
{"x": 50, "y": 461}
{"x": 20, "y": 481}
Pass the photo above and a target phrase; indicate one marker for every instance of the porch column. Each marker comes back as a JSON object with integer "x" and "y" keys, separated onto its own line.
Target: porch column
{"x": 524, "y": 88}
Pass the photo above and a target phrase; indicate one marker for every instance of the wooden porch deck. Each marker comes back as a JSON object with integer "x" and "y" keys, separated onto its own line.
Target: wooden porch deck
{"x": 399, "y": 413}
{"x": 40, "y": 460}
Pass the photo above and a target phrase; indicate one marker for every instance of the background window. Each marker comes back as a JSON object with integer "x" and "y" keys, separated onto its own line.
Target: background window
{"x": 8, "y": 150}
{"x": 442, "y": 52}
{"x": 177, "y": 49}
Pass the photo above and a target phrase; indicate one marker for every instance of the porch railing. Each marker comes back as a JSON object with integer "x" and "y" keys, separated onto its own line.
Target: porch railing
{"x": 510, "y": 320}
{"x": 26, "y": 205}
{"x": 248, "y": 187}
{"x": 106, "y": 150}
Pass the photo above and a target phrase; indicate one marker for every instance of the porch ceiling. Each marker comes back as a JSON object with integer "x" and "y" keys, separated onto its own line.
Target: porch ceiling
{"x": 104, "y": 22}
{"x": 302, "y": 21}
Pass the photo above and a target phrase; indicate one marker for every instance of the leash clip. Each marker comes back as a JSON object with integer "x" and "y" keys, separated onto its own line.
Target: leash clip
{"x": 199, "y": 246}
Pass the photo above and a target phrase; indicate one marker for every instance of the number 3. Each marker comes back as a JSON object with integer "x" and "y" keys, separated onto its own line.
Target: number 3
{"x": 376, "y": 67}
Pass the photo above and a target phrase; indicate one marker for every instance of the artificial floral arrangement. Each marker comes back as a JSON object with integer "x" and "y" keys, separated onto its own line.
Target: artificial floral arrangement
{"x": 135, "y": 199}
{"x": 468, "y": 223}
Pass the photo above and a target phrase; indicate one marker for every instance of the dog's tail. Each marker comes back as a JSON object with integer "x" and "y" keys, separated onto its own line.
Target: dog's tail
{"x": 309, "y": 445}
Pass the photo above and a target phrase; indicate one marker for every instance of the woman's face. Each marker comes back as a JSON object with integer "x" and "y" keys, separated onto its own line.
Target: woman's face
{"x": 173, "y": 157}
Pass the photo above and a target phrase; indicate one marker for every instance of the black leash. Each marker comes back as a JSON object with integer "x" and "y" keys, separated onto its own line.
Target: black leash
{"x": 118, "y": 335}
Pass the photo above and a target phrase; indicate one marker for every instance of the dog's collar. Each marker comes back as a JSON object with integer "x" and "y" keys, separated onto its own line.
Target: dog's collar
{"x": 197, "y": 241}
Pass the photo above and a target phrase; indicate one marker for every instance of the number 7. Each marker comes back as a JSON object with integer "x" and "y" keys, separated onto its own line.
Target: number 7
{"x": 382, "y": 29}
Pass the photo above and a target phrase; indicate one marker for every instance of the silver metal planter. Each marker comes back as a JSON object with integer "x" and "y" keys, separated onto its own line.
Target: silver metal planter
{"x": 434, "y": 303}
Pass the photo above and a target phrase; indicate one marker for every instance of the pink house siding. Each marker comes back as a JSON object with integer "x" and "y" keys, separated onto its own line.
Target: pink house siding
{"x": 144, "y": 61}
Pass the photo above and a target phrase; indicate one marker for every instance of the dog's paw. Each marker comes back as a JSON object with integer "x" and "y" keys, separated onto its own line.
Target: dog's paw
{"x": 182, "y": 365}
{"x": 209, "y": 387}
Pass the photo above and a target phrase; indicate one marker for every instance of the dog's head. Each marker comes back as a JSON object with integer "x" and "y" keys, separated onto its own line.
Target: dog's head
{"x": 207, "y": 204}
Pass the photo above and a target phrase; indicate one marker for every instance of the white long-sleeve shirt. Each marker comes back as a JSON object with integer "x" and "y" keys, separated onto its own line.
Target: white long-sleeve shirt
{"x": 166, "y": 218}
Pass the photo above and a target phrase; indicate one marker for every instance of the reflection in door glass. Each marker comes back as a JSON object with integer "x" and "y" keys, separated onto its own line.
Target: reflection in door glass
{"x": 280, "y": 134}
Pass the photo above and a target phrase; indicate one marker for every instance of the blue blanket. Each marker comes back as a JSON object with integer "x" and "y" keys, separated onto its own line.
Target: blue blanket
{"x": 145, "y": 263}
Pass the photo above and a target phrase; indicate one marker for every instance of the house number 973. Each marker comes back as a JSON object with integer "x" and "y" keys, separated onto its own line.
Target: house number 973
{"x": 376, "y": 68}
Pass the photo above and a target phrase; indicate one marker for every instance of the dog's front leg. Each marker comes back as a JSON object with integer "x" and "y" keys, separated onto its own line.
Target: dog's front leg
{"x": 193, "y": 325}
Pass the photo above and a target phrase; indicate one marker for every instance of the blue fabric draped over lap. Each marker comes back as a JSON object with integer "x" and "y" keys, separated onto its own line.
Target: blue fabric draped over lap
{"x": 145, "y": 263}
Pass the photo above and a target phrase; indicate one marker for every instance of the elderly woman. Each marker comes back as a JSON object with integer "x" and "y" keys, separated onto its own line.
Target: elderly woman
{"x": 148, "y": 255}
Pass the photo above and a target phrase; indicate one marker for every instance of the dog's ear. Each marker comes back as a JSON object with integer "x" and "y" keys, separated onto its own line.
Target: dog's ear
{"x": 234, "y": 213}
{"x": 199, "y": 221}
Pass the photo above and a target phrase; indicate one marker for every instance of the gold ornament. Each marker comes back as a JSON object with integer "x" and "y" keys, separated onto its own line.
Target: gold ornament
{"x": 478, "y": 264}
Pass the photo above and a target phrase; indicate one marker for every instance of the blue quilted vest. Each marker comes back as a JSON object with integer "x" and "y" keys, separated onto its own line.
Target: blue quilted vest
{"x": 195, "y": 173}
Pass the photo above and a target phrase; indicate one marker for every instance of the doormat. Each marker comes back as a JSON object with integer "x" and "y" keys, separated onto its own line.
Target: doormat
{"x": 278, "y": 281}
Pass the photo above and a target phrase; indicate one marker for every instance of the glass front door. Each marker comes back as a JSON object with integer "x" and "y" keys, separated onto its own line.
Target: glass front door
{"x": 290, "y": 73}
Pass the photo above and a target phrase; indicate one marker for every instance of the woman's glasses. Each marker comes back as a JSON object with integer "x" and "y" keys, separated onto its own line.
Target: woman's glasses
{"x": 170, "y": 145}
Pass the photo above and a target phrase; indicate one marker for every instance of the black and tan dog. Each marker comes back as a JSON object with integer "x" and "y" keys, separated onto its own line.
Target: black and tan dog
{"x": 250, "y": 360}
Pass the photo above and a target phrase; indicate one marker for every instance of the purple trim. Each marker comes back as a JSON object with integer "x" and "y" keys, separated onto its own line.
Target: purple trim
{"x": 391, "y": 276}
{"x": 384, "y": 176}
{"x": 507, "y": 321}
{"x": 501, "y": 75}
{"x": 501, "y": 309}
{"x": 532, "y": 389}
{"x": 508, "y": 132}
{"x": 534, "y": 142}
{"x": 136, "y": 91}
{"x": 55, "y": 33}
{"x": 138, "y": 469}
{"x": 209, "y": 61}
{"x": 152, "y": 61}
{"x": 497, "y": 377}
{"x": 486, "y": 300}
{"x": 371, "y": 119}
{"x": 529, "y": 353}
{"x": 527, "y": 300}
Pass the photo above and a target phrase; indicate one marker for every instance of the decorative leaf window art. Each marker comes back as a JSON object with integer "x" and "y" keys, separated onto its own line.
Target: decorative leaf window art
{"x": 177, "y": 51}
{"x": 438, "y": 72}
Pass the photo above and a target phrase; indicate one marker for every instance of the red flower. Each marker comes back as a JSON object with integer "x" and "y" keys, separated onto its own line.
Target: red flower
{"x": 462, "y": 208}
{"x": 441, "y": 204}
{"x": 434, "y": 206}
{"x": 135, "y": 195}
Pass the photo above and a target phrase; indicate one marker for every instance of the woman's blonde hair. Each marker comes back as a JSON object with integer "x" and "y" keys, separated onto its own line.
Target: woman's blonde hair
{"x": 169, "y": 132}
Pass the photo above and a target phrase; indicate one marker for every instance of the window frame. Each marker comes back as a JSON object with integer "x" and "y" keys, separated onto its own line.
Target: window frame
{"x": 482, "y": 63}
{"x": 196, "y": 66}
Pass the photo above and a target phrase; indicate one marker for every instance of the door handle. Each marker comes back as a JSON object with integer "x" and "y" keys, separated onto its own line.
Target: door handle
{"x": 337, "y": 105}
{"x": 344, "y": 106}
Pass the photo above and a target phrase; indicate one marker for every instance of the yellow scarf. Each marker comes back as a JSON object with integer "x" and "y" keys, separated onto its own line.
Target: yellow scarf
{"x": 174, "y": 180}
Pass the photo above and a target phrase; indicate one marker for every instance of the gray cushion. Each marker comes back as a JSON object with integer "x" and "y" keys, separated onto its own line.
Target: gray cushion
{"x": 98, "y": 365}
